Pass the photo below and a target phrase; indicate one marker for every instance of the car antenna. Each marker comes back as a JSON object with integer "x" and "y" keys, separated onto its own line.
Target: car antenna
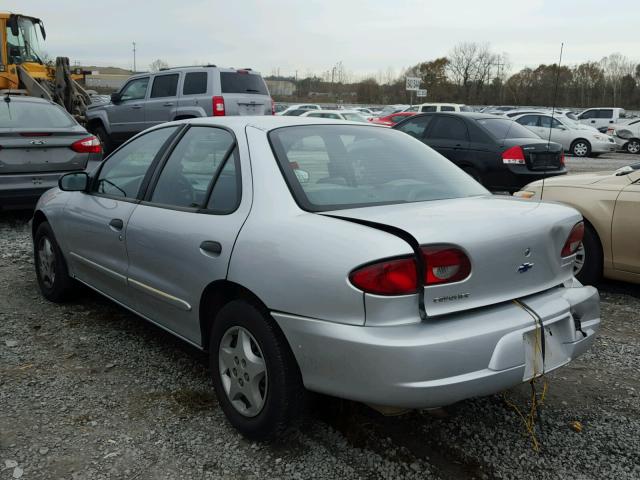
{"x": 553, "y": 111}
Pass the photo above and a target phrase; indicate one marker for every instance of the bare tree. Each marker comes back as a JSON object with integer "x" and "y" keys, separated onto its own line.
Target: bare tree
{"x": 615, "y": 67}
{"x": 157, "y": 65}
{"x": 471, "y": 64}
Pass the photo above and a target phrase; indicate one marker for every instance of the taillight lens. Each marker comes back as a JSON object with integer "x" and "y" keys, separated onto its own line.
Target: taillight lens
{"x": 388, "y": 277}
{"x": 87, "y": 145}
{"x": 574, "y": 240}
{"x": 273, "y": 107}
{"x": 445, "y": 265}
{"x": 218, "y": 106}
{"x": 513, "y": 156}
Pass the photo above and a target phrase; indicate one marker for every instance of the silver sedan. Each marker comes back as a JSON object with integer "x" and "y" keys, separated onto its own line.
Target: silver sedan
{"x": 336, "y": 257}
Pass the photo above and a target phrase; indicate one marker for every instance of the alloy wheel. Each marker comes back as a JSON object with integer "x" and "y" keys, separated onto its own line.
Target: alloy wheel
{"x": 580, "y": 149}
{"x": 46, "y": 262}
{"x": 633, "y": 146}
{"x": 578, "y": 263}
{"x": 243, "y": 371}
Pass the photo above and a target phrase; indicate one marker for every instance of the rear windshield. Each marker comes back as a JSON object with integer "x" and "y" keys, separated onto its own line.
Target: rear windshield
{"x": 330, "y": 167}
{"x": 235, "y": 82}
{"x": 33, "y": 115}
{"x": 503, "y": 128}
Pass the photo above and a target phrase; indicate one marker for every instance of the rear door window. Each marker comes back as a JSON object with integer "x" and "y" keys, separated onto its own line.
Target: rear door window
{"x": 241, "y": 82}
{"x": 605, "y": 113}
{"x": 449, "y": 128}
{"x": 165, "y": 86}
{"x": 447, "y": 108}
{"x": 194, "y": 164}
{"x": 195, "y": 83}
{"x": 429, "y": 108}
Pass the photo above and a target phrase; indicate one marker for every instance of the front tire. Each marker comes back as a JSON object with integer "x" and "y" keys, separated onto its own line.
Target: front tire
{"x": 255, "y": 375}
{"x": 588, "y": 265}
{"x": 633, "y": 146}
{"x": 581, "y": 148}
{"x": 51, "y": 269}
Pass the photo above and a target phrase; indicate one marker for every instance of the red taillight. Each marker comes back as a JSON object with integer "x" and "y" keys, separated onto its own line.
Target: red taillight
{"x": 574, "y": 240}
{"x": 513, "y": 156}
{"x": 218, "y": 106}
{"x": 445, "y": 264}
{"x": 87, "y": 145}
{"x": 273, "y": 107}
{"x": 388, "y": 277}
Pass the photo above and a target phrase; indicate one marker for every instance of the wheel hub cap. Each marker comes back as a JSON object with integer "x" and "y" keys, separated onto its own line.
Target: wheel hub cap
{"x": 580, "y": 149}
{"x": 46, "y": 262}
{"x": 243, "y": 371}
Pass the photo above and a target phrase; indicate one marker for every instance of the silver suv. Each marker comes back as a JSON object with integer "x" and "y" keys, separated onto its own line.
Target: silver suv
{"x": 149, "y": 99}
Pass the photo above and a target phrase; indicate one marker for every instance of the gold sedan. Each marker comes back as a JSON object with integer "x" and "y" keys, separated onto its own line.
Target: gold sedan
{"x": 610, "y": 205}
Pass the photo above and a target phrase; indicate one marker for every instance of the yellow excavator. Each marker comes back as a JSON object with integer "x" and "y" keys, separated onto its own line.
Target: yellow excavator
{"x": 25, "y": 71}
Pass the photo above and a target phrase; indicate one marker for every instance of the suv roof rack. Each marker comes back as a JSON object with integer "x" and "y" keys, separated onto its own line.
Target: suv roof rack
{"x": 188, "y": 66}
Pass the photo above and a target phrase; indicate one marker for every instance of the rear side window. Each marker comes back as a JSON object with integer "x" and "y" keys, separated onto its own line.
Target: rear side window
{"x": 449, "y": 128}
{"x": 192, "y": 168}
{"x": 447, "y": 108}
{"x": 605, "y": 113}
{"x": 123, "y": 172}
{"x": 194, "y": 83}
{"x": 17, "y": 114}
{"x": 429, "y": 108}
{"x": 238, "y": 82}
{"x": 165, "y": 86}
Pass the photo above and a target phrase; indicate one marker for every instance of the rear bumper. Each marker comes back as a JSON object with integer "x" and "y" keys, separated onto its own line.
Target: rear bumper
{"x": 518, "y": 176}
{"x": 442, "y": 360}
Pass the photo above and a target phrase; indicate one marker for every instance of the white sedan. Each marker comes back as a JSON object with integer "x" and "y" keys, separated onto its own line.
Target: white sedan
{"x": 580, "y": 140}
{"x": 350, "y": 115}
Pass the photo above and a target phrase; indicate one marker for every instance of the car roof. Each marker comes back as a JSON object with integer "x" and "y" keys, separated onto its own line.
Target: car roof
{"x": 472, "y": 115}
{"x": 427, "y": 104}
{"x": 263, "y": 122}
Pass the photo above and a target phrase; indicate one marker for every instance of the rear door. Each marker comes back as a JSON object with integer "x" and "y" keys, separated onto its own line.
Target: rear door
{"x": 180, "y": 238}
{"x": 96, "y": 222}
{"x": 449, "y": 136}
{"x": 127, "y": 117}
{"x": 162, "y": 102}
{"x": 244, "y": 93}
{"x": 625, "y": 228}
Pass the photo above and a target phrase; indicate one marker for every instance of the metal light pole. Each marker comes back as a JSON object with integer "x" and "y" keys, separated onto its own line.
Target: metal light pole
{"x": 134, "y": 57}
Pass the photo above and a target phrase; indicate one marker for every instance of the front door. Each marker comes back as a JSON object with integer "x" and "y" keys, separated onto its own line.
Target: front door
{"x": 626, "y": 228}
{"x": 180, "y": 237}
{"x": 128, "y": 116}
{"x": 96, "y": 222}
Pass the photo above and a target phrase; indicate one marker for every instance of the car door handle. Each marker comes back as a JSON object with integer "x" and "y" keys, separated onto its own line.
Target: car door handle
{"x": 136, "y": 107}
{"x": 167, "y": 104}
{"x": 116, "y": 224}
{"x": 211, "y": 247}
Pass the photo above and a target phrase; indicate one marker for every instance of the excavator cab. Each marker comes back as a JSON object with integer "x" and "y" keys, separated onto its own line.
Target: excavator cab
{"x": 25, "y": 68}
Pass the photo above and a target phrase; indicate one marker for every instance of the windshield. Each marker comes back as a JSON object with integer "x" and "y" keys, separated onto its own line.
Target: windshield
{"x": 330, "y": 167}
{"x": 503, "y": 128}
{"x": 33, "y": 115}
{"x": 26, "y": 46}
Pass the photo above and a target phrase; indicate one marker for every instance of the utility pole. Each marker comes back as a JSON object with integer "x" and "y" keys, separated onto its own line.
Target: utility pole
{"x": 134, "y": 57}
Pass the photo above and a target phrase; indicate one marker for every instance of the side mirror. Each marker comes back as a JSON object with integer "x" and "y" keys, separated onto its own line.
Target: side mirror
{"x": 74, "y": 182}
{"x": 116, "y": 98}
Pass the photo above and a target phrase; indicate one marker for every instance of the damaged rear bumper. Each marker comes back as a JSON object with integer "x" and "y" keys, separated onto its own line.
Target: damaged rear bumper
{"x": 445, "y": 359}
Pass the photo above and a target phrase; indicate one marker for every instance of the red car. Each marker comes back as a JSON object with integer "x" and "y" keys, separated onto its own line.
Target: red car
{"x": 391, "y": 120}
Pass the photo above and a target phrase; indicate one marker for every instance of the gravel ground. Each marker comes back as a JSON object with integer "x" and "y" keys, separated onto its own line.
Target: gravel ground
{"x": 90, "y": 391}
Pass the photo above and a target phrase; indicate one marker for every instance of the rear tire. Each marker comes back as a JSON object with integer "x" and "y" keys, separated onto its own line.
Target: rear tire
{"x": 51, "y": 269}
{"x": 581, "y": 148}
{"x": 263, "y": 405}
{"x": 633, "y": 146}
{"x": 588, "y": 266}
{"x": 108, "y": 145}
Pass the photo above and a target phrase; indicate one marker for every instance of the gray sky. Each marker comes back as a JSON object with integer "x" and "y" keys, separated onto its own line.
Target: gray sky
{"x": 312, "y": 35}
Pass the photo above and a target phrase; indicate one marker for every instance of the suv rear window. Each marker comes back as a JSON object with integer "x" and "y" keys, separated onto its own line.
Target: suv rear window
{"x": 235, "y": 82}
{"x": 194, "y": 83}
{"x": 17, "y": 114}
